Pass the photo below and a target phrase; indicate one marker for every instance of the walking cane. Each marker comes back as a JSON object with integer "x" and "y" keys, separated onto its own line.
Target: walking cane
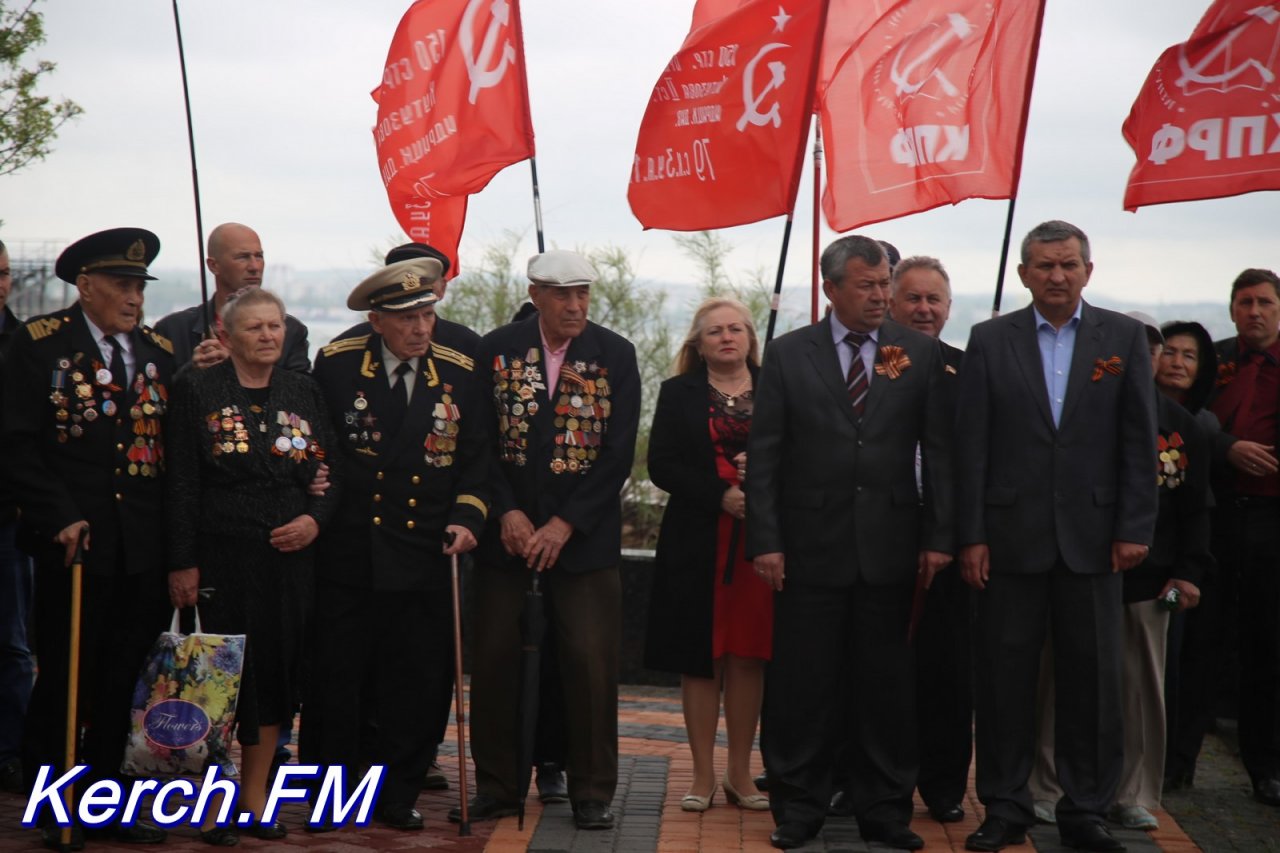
{"x": 73, "y": 680}
{"x": 460, "y": 715}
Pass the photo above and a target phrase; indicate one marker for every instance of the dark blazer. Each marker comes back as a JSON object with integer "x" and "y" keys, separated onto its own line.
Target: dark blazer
{"x": 186, "y": 328}
{"x": 1034, "y": 492}
{"x": 837, "y": 495}
{"x": 402, "y": 484}
{"x": 64, "y": 464}
{"x": 538, "y": 469}
{"x": 682, "y": 462}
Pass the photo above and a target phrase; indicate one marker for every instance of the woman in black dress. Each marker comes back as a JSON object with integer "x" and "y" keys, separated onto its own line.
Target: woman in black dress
{"x": 711, "y": 617}
{"x": 245, "y": 441}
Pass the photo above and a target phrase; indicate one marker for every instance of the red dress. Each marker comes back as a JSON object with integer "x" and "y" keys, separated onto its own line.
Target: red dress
{"x": 742, "y": 620}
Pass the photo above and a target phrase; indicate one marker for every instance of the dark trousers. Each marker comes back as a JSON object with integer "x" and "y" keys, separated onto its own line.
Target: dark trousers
{"x": 121, "y": 616}
{"x": 944, "y": 689}
{"x": 16, "y": 666}
{"x": 823, "y": 639}
{"x": 1085, "y": 614}
{"x": 387, "y": 648}
{"x": 584, "y": 615}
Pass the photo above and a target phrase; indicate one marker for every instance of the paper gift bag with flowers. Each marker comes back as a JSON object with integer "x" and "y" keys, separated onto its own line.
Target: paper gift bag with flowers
{"x": 184, "y": 703}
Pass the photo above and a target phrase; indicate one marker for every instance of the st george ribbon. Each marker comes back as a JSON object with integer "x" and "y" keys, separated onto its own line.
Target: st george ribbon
{"x": 453, "y": 111}
{"x": 722, "y": 139}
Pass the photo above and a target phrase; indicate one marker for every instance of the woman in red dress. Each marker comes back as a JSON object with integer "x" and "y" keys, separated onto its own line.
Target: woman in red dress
{"x": 710, "y": 617}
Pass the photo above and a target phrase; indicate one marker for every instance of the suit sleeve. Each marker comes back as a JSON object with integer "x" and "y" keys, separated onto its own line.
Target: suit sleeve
{"x": 972, "y": 442}
{"x": 1138, "y": 500}
{"x": 671, "y": 468}
{"x": 183, "y": 483}
{"x": 322, "y": 507}
{"x": 587, "y": 504}
{"x": 764, "y": 451}
{"x": 297, "y": 357}
{"x": 472, "y": 503}
{"x": 936, "y": 451}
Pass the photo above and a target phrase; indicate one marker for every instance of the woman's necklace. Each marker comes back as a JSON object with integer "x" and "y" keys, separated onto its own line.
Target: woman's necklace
{"x": 730, "y": 399}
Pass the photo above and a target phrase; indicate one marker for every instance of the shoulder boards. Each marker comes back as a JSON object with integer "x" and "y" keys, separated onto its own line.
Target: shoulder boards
{"x": 43, "y": 327}
{"x": 452, "y": 355}
{"x": 157, "y": 339}
{"x": 345, "y": 345}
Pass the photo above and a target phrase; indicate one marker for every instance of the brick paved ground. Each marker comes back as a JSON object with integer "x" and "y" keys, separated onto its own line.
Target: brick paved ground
{"x": 655, "y": 772}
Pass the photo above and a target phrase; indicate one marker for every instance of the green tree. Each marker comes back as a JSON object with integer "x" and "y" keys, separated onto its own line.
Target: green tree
{"x": 709, "y": 252}
{"x": 28, "y": 122}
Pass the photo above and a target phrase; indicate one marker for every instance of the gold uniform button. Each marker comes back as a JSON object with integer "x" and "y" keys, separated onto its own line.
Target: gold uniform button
{"x": 119, "y": 497}
{"x": 409, "y": 524}
{"x": 377, "y": 498}
{"x": 119, "y": 447}
{"x": 377, "y": 520}
{"x": 379, "y": 475}
{"x": 415, "y": 479}
{"x": 413, "y": 501}
{"x": 117, "y": 472}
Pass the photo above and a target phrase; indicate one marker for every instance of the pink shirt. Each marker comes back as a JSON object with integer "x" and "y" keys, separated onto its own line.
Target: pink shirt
{"x": 555, "y": 359}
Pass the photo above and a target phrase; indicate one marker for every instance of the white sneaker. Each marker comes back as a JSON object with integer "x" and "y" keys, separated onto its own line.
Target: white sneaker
{"x": 1134, "y": 817}
{"x": 1045, "y": 812}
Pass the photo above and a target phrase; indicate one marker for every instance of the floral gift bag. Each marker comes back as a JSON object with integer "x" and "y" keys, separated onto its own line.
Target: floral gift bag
{"x": 184, "y": 703}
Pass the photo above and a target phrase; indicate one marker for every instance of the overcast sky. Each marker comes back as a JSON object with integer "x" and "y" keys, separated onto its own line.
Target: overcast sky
{"x": 280, "y": 94}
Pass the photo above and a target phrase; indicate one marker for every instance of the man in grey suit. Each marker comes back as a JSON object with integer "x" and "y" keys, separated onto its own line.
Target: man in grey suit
{"x": 835, "y": 524}
{"x": 1055, "y": 433}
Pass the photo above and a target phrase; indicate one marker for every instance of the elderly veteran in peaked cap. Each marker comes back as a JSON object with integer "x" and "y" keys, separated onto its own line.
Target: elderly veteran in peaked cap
{"x": 83, "y": 428}
{"x": 412, "y": 423}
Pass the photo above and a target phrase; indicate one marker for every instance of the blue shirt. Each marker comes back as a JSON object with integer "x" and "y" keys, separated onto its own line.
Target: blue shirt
{"x": 844, "y": 350}
{"x": 1056, "y": 348}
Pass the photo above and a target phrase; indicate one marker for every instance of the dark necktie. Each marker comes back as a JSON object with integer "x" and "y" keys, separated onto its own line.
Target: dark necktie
{"x": 119, "y": 375}
{"x": 399, "y": 393}
{"x": 857, "y": 380}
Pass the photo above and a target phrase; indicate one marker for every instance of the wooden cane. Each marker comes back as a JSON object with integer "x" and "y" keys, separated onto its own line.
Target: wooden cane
{"x": 464, "y": 826}
{"x": 73, "y": 680}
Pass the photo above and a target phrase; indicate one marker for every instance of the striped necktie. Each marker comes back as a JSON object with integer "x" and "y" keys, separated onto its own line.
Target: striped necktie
{"x": 857, "y": 381}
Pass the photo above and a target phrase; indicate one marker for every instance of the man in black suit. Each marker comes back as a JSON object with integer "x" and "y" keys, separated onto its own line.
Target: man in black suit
{"x": 1055, "y": 433}
{"x": 836, "y": 525}
{"x": 236, "y": 260}
{"x": 1245, "y": 529}
{"x": 567, "y": 398}
{"x": 83, "y": 431}
{"x": 921, "y": 299}
{"x": 413, "y": 419}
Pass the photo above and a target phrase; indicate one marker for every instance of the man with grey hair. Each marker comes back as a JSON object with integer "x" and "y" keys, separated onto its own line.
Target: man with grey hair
{"x": 1055, "y": 433}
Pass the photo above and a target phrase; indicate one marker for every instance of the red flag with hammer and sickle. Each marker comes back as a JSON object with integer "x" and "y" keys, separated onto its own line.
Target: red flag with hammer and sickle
{"x": 924, "y": 105}
{"x": 722, "y": 140}
{"x": 453, "y": 109}
{"x": 1207, "y": 121}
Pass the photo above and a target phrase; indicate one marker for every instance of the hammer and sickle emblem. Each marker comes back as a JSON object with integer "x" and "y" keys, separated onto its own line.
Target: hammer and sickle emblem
{"x": 1197, "y": 73}
{"x": 479, "y": 70}
{"x": 903, "y": 74}
{"x": 752, "y": 99}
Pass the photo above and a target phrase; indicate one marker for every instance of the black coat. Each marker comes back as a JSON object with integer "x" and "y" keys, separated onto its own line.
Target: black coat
{"x": 402, "y": 486}
{"x": 682, "y": 462}
{"x": 186, "y": 328}
{"x": 538, "y": 467}
{"x": 65, "y": 465}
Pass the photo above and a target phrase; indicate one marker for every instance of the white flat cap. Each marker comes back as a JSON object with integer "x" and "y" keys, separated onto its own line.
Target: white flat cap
{"x": 559, "y": 268}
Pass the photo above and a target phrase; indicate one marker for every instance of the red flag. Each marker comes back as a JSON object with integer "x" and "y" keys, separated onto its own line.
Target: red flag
{"x": 722, "y": 140}
{"x": 434, "y": 221}
{"x": 453, "y": 107}
{"x": 926, "y": 106}
{"x": 1205, "y": 124}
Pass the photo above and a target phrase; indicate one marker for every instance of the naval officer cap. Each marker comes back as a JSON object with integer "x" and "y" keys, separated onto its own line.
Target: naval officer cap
{"x": 401, "y": 286}
{"x": 560, "y": 268}
{"x": 116, "y": 251}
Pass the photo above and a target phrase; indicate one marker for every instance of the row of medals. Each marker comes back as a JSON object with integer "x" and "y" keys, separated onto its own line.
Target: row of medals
{"x": 442, "y": 441}
{"x": 86, "y": 403}
{"x": 512, "y": 413}
{"x": 578, "y": 413}
{"x": 229, "y": 420}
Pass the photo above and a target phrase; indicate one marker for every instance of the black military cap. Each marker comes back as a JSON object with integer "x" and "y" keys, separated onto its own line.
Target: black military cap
{"x": 116, "y": 251}
{"x": 418, "y": 250}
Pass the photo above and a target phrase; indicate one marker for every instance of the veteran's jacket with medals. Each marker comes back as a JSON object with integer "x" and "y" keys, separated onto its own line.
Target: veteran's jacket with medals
{"x": 566, "y": 453}
{"x": 402, "y": 483}
{"x": 79, "y": 447}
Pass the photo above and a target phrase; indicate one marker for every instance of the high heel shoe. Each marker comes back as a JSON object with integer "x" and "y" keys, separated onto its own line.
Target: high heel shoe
{"x": 694, "y": 803}
{"x": 753, "y": 803}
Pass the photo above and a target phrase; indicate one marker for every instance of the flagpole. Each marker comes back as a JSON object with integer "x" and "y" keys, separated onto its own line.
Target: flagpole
{"x": 1017, "y": 162}
{"x": 817, "y": 204}
{"x": 206, "y": 308}
{"x": 537, "y": 204}
{"x": 777, "y": 284}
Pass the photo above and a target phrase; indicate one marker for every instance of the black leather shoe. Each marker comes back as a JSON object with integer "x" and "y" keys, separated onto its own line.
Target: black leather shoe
{"x": 220, "y": 836}
{"x": 841, "y": 804}
{"x": 435, "y": 780}
{"x": 995, "y": 834}
{"x": 11, "y": 777}
{"x": 592, "y": 814}
{"x": 399, "y": 817}
{"x": 1268, "y": 792}
{"x": 762, "y": 782}
{"x": 1089, "y": 836}
{"x": 51, "y": 837}
{"x": 789, "y": 835}
{"x": 138, "y": 833}
{"x": 896, "y": 835}
{"x": 273, "y": 831}
{"x": 551, "y": 784}
{"x": 483, "y": 807}
{"x": 945, "y": 812}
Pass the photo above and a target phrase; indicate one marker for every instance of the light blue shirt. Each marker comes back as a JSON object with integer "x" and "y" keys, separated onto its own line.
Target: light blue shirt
{"x": 1056, "y": 348}
{"x": 844, "y": 350}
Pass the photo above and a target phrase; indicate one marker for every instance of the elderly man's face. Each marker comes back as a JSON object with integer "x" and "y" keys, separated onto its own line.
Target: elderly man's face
{"x": 861, "y": 299}
{"x": 562, "y": 311}
{"x": 406, "y": 333}
{"x": 112, "y": 302}
{"x": 1256, "y": 313}
{"x": 237, "y": 260}
{"x": 922, "y": 300}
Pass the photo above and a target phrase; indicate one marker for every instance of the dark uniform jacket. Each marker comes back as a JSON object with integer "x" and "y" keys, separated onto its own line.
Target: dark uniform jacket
{"x": 569, "y": 454}
{"x": 79, "y": 449}
{"x": 186, "y": 328}
{"x": 8, "y": 325}
{"x": 402, "y": 486}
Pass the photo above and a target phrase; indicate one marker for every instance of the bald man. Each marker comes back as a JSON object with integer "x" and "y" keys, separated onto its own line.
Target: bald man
{"x": 235, "y": 258}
